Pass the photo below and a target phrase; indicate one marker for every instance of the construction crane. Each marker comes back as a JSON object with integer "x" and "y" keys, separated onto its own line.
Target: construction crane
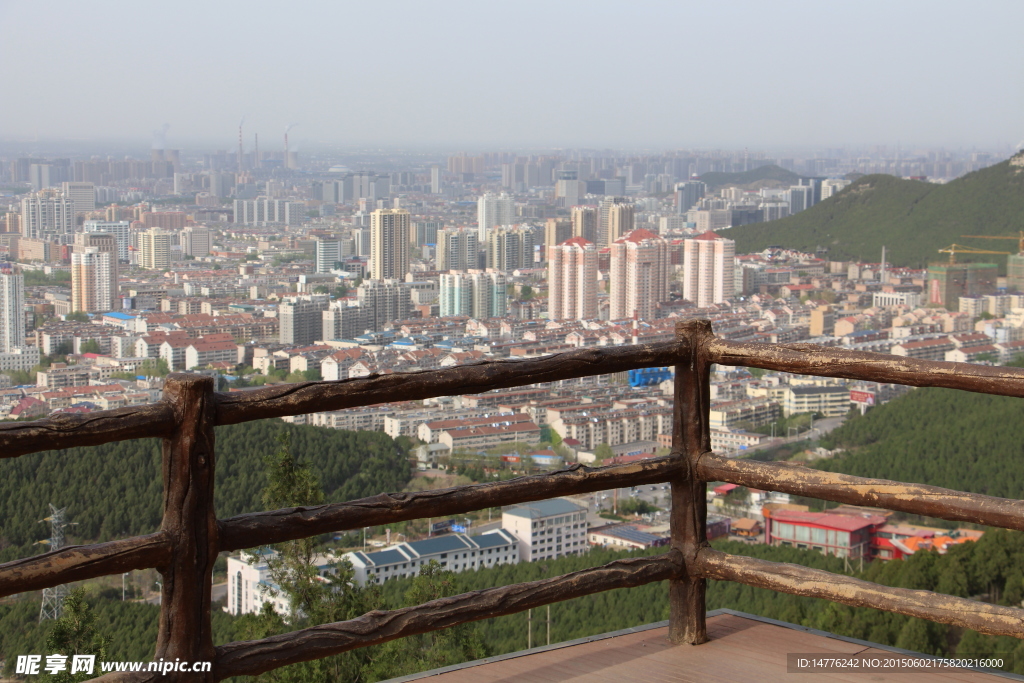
{"x": 955, "y": 249}
{"x": 1020, "y": 239}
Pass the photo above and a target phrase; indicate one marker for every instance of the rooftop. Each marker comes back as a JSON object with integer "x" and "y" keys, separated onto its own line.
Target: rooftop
{"x": 742, "y": 647}
{"x": 544, "y": 508}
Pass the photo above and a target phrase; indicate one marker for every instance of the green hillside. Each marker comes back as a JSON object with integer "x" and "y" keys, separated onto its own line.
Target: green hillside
{"x": 762, "y": 176}
{"x": 115, "y": 490}
{"x": 943, "y": 437}
{"x": 912, "y": 219}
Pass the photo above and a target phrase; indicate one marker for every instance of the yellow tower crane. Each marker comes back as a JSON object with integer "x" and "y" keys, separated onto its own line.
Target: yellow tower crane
{"x": 955, "y": 249}
{"x": 1020, "y": 239}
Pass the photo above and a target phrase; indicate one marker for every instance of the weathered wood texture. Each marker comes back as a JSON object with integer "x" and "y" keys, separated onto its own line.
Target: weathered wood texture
{"x": 691, "y": 436}
{"x": 815, "y": 583}
{"x": 254, "y": 657}
{"x": 90, "y": 429}
{"x": 80, "y": 562}
{"x": 918, "y": 499}
{"x": 823, "y": 361}
{"x": 262, "y": 528}
{"x": 309, "y": 397}
{"x": 190, "y": 523}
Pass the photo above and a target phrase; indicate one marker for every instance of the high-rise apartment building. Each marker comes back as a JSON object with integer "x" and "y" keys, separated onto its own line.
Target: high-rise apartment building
{"x": 572, "y": 280}
{"x": 119, "y": 229}
{"x": 47, "y": 215}
{"x": 94, "y": 272}
{"x": 12, "y": 311}
{"x": 688, "y": 194}
{"x": 568, "y": 188}
{"x": 435, "y": 180}
{"x": 585, "y": 223}
{"x": 91, "y": 271}
{"x": 328, "y": 255}
{"x": 477, "y": 295}
{"x": 510, "y": 247}
{"x": 556, "y": 231}
{"x": 492, "y": 211}
{"x": 155, "y": 249}
{"x": 425, "y": 232}
{"x": 621, "y": 221}
{"x": 82, "y": 195}
{"x": 300, "y": 320}
{"x": 385, "y": 301}
{"x": 639, "y": 275}
{"x": 709, "y": 268}
{"x": 342, "y": 321}
{"x": 604, "y": 219}
{"x": 196, "y": 241}
{"x": 389, "y": 244}
{"x": 168, "y": 220}
{"x": 457, "y": 249}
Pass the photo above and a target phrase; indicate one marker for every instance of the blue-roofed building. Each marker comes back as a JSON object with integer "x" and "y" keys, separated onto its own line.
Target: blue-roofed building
{"x": 455, "y": 552}
{"x": 625, "y": 536}
{"x": 547, "y": 529}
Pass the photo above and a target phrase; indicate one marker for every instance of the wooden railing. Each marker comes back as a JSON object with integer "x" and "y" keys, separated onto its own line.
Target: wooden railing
{"x": 190, "y": 537}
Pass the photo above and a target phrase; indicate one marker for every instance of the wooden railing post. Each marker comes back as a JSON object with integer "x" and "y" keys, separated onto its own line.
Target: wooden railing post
{"x": 190, "y": 523}
{"x": 691, "y": 436}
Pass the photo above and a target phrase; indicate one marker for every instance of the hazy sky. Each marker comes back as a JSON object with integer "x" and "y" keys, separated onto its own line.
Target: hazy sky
{"x": 489, "y": 74}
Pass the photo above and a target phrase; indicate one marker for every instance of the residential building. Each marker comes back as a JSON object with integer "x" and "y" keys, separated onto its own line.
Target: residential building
{"x": 93, "y": 276}
{"x": 46, "y": 215}
{"x": 572, "y": 280}
{"x": 621, "y": 221}
{"x": 492, "y": 211}
{"x": 584, "y": 224}
{"x": 119, "y": 229}
{"x": 196, "y": 241}
{"x": 155, "y": 249}
{"x": 688, "y": 194}
{"x": 709, "y": 267}
{"x": 384, "y": 301}
{"x": 947, "y": 282}
{"x": 328, "y": 255}
{"x": 547, "y": 529}
{"x": 341, "y": 321}
{"x": 12, "y": 313}
{"x": 301, "y": 320}
{"x": 510, "y": 247}
{"x": 477, "y": 295}
{"x": 82, "y": 195}
{"x": 639, "y": 275}
{"x": 201, "y": 353}
{"x": 454, "y": 552}
{"x": 250, "y": 584}
{"x": 557, "y": 230}
{"x": 457, "y": 249}
{"x": 829, "y": 400}
{"x": 604, "y": 210}
{"x": 389, "y": 244}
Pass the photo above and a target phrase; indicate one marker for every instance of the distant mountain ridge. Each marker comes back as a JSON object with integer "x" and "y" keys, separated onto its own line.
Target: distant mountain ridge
{"x": 755, "y": 179}
{"x": 912, "y": 219}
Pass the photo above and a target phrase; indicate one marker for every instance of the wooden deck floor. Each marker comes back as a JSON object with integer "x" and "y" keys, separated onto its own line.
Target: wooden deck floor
{"x": 742, "y": 648}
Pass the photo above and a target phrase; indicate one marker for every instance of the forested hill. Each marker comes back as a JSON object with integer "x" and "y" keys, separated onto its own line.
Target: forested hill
{"x": 115, "y": 490}
{"x": 762, "y": 176}
{"x": 912, "y": 219}
{"x": 956, "y": 439}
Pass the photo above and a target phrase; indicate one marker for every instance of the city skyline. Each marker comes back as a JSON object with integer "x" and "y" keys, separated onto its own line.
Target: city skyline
{"x": 913, "y": 74}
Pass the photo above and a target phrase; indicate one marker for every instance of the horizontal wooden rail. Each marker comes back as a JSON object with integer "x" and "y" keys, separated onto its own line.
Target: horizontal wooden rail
{"x": 815, "y": 583}
{"x": 918, "y": 499}
{"x": 826, "y": 361}
{"x": 251, "y": 658}
{"x": 80, "y": 562}
{"x": 474, "y": 378}
{"x": 66, "y": 430}
{"x": 277, "y": 526}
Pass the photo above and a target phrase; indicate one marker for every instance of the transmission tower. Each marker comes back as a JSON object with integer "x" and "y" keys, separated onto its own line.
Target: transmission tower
{"x": 53, "y": 598}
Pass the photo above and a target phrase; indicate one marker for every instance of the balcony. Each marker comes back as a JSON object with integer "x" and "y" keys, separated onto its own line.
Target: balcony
{"x": 190, "y": 537}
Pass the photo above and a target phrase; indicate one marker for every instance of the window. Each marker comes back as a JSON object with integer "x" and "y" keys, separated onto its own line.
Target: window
{"x": 803, "y": 533}
{"x": 818, "y": 535}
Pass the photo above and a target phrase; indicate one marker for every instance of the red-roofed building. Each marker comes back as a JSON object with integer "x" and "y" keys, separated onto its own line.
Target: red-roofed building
{"x": 830, "y": 533}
